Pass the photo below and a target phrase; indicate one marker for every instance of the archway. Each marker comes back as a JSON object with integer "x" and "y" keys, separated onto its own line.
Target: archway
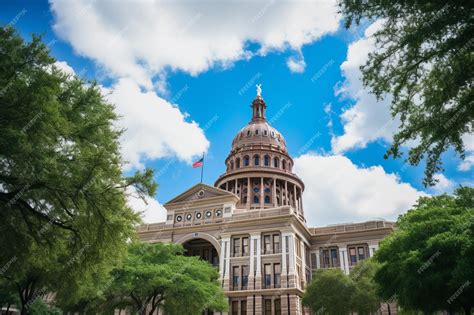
{"x": 203, "y": 249}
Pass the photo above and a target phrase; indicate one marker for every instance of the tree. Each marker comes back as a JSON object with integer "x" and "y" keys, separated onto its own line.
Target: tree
{"x": 423, "y": 58}
{"x": 64, "y": 219}
{"x": 159, "y": 275}
{"x": 427, "y": 261}
{"x": 365, "y": 299}
{"x": 329, "y": 292}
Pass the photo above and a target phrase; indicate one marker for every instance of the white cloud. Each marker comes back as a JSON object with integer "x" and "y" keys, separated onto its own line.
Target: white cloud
{"x": 368, "y": 119}
{"x": 140, "y": 39}
{"x": 444, "y": 184}
{"x": 468, "y": 162}
{"x": 151, "y": 211}
{"x": 63, "y": 66}
{"x": 154, "y": 127}
{"x": 296, "y": 64}
{"x": 339, "y": 191}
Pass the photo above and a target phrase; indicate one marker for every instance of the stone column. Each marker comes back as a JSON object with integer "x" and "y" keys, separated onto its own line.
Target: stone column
{"x": 251, "y": 264}
{"x": 258, "y": 261}
{"x": 344, "y": 260}
{"x": 291, "y": 260}
{"x": 274, "y": 191}
{"x": 318, "y": 260}
{"x": 295, "y": 305}
{"x": 284, "y": 269}
{"x": 225, "y": 263}
{"x": 373, "y": 248}
{"x": 284, "y": 304}
{"x": 286, "y": 194}
{"x": 249, "y": 189}
{"x": 294, "y": 198}
{"x": 303, "y": 263}
{"x": 258, "y": 305}
{"x": 235, "y": 188}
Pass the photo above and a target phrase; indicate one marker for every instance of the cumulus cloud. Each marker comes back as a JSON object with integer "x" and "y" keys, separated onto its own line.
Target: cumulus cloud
{"x": 147, "y": 37}
{"x": 64, "y": 67}
{"x": 443, "y": 185}
{"x": 151, "y": 211}
{"x": 339, "y": 191}
{"x": 468, "y": 163}
{"x": 296, "y": 64}
{"x": 368, "y": 119}
{"x": 154, "y": 127}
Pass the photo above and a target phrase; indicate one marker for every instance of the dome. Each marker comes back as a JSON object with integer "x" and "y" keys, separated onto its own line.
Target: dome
{"x": 256, "y": 133}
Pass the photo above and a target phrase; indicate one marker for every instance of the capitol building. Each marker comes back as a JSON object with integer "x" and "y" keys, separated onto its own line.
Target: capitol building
{"x": 251, "y": 226}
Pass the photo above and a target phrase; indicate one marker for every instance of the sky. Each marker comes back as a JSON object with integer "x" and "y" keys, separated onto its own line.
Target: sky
{"x": 182, "y": 76}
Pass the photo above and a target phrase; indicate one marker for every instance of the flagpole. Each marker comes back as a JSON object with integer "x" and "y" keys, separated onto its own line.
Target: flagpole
{"x": 202, "y": 167}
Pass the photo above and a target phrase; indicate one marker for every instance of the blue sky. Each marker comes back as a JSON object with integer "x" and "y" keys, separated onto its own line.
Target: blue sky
{"x": 183, "y": 78}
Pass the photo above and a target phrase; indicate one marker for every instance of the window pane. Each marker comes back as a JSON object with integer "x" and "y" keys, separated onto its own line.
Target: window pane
{"x": 267, "y": 276}
{"x": 268, "y": 307}
{"x": 245, "y": 246}
{"x": 361, "y": 252}
{"x": 236, "y": 278}
{"x": 277, "y": 307}
{"x": 235, "y": 308}
{"x": 245, "y": 277}
{"x": 353, "y": 256}
{"x": 276, "y": 243}
{"x": 267, "y": 245}
{"x": 334, "y": 260}
{"x": 277, "y": 275}
{"x": 243, "y": 307}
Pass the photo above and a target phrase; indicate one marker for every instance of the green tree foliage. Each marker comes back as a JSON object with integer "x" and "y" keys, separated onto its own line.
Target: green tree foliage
{"x": 329, "y": 292}
{"x": 38, "y": 307}
{"x": 365, "y": 299}
{"x": 159, "y": 275}
{"x": 428, "y": 261}
{"x": 424, "y": 59}
{"x": 64, "y": 221}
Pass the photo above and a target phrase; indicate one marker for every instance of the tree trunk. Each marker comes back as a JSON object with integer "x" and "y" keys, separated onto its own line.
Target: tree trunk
{"x": 8, "y": 309}
{"x": 467, "y": 309}
{"x": 388, "y": 308}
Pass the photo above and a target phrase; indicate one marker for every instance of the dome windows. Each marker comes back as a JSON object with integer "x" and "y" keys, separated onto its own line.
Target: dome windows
{"x": 256, "y": 132}
{"x": 237, "y": 163}
{"x": 283, "y": 164}
{"x": 266, "y": 160}
{"x": 246, "y": 160}
{"x": 276, "y": 162}
{"x": 256, "y": 160}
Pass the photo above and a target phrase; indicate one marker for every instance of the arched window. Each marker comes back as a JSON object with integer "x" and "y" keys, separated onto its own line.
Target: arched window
{"x": 266, "y": 160}
{"x": 255, "y": 199}
{"x": 237, "y": 163}
{"x": 256, "y": 132}
{"x": 231, "y": 165}
{"x": 246, "y": 160}
{"x": 276, "y": 162}
{"x": 267, "y": 199}
{"x": 256, "y": 160}
{"x": 283, "y": 164}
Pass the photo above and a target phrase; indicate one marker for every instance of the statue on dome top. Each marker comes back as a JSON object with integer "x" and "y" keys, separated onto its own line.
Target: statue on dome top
{"x": 259, "y": 90}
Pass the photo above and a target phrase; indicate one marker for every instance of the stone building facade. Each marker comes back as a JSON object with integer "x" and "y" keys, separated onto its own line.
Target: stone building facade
{"x": 251, "y": 226}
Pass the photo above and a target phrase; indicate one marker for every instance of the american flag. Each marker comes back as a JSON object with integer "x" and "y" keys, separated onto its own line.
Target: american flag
{"x": 199, "y": 162}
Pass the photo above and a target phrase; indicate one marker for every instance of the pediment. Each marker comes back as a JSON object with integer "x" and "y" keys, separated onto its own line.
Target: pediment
{"x": 200, "y": 192}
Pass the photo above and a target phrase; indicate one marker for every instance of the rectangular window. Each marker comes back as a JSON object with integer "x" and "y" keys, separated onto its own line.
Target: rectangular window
{"x": 313, "y": 261}
{"x": 361, "y": 252}
{"x": 245, "y": 246}
{"x": 236, "y": 250}
{"x": 276, "y": 243}
{"x": 267, "y": 244}
{"x": 325, "y": 256}
{"x": 267, "y": 276}
{"x": 268, "y": 307}
{"x": 298, "y": 247}
{"x": 334, "y": 260}
{"x": 352, "y": 255}
{"x": 245, "y": 277}
{"x": 235, "y": 278}
{"x": 235, "y": 307}
{"x": 277, "y": 306}
{"x": 277, "y": 275}
{"x": 243, "y": 307}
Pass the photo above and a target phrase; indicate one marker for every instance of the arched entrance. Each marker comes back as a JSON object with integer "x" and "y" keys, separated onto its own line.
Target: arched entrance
{"x": 207, "y": 248}
{"x": 203, "y": 249}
